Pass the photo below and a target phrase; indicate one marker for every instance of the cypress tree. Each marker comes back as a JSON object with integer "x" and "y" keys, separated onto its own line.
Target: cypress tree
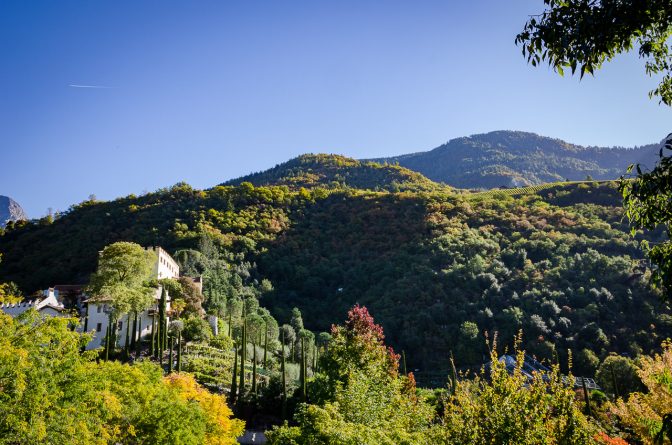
{"x": 170, "y": 363}
{"x": 127, "y": 343}
{"x": 589, "y": 411}
{"x": 138, "y": 335}
{"x": 162, "y": 321}
{"x": 112, "y": 344}
{"x": 284, "y": 377}
{"x": 164, "y": 336}
{"x": 453, "y": 386}
{"x": 254, "y": 368}
{"x": 314, "y": 358}
{"x": 179, "y": 351}
{"x": 107, "y": 342}
{"x": 303, "y": 370}
{"x": 135, "y": 331}
{"x": 301, "y": 367}
{"x": 265, "y": 343}
{"x": 234, "y": 380}
{"x": 154, "y": 334}
{"x": 243, "y": 351}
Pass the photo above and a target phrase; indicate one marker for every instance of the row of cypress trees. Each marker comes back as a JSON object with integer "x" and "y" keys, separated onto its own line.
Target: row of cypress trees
{"x": 238, "y": 380}
{"x": 161, "y": 339}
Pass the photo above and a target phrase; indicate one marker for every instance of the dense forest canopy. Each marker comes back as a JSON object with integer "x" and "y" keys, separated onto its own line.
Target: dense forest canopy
{"x": 437, "y": 268}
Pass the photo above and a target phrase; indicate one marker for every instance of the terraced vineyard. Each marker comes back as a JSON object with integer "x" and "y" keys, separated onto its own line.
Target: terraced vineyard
{"x": 528, "y": 190}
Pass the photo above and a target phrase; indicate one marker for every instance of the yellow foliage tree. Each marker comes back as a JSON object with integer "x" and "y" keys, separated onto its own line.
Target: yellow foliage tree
{"x": 644, "y": 412}
{"x": 221, "y": 427}
{"x": 508, "y": 406}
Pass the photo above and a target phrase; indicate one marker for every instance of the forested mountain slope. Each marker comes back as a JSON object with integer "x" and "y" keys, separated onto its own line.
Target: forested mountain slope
{"x": 515, "y": 158}
{"x": 336, "y": 171}
{"x": 436, "y": 268}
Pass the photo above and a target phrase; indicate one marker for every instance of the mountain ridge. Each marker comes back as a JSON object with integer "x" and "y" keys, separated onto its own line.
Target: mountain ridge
{"x": 498, "y": 159}
{"x": 507, "y": 158}
{"x": 338, "y": 171}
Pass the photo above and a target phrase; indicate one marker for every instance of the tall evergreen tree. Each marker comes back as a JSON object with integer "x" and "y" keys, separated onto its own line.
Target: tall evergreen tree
{"x": 265, "y": 344}
{"x": 153, "y": 346}
{"x": 179, "y": 351}
{"x": 304, "y": 392}
{"x": 170, "y": 356}
{"x": 243, "y": 351}
{"x": 162, "y": 321}
{"x": 234, "y": 380}
{"x": 254, "y": 368}
{"x": 284, "y": 375}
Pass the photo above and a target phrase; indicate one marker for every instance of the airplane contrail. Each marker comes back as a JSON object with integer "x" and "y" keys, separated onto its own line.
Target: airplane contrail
{"x": 88, "y": 86}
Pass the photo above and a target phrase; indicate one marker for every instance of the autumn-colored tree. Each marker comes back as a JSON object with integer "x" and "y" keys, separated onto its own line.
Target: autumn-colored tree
{"x": 220, "y": 429}
{"x": 506, "y": 406}
{"x": 644, "y": 412}
{"x": 358, "y": 346}
{"x": 367, "y": 401}
{"x": 52, "y": 393}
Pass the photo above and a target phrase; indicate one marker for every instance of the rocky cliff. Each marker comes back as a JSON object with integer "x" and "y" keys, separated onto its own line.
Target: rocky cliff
{"x": 10, "y": 210}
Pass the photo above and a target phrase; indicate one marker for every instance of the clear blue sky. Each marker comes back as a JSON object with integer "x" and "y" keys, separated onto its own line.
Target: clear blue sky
{"x": 204, "y": 91}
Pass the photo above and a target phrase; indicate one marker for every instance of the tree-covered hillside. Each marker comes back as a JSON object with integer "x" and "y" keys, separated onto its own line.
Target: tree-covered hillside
{"x": 336, "y": 171}
{"x": 515, "y": 158}
{"x": 438, "y": 269}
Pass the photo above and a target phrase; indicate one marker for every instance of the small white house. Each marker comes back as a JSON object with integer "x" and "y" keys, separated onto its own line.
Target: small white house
{"x": 47, "y": 304}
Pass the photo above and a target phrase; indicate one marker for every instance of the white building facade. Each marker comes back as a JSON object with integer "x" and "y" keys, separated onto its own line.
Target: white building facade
{"x": 97, "y": 311}
{"x": 98, "y": 318}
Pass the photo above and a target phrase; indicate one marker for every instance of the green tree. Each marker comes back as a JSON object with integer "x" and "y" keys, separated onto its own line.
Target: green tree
{"x": 506, "y": 407}
{"x": 618, "y": 375}
{"x": 586, "y": 363}
{"x": 369, "y": 403}
{"x": 52, "y": 393}
{"x": 196, "y": 329}
{"x": 122, "y": 279}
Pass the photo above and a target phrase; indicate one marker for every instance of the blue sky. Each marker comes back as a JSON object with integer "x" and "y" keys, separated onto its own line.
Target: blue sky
{"x": 204, "y": 91}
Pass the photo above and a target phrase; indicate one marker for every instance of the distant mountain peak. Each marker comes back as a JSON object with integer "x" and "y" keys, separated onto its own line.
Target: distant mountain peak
{"x": 10, "y": 210}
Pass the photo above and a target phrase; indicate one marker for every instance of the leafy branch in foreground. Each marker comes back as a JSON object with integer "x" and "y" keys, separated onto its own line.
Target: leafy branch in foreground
{"x": 583, "y": 34}
{"x": 647, "y": 200}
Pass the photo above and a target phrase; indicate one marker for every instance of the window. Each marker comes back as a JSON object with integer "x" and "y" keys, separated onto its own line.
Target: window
{"x": 120, "y": 325}
{"x": 99, "y": 308}
{"x": 99, "y": 326}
